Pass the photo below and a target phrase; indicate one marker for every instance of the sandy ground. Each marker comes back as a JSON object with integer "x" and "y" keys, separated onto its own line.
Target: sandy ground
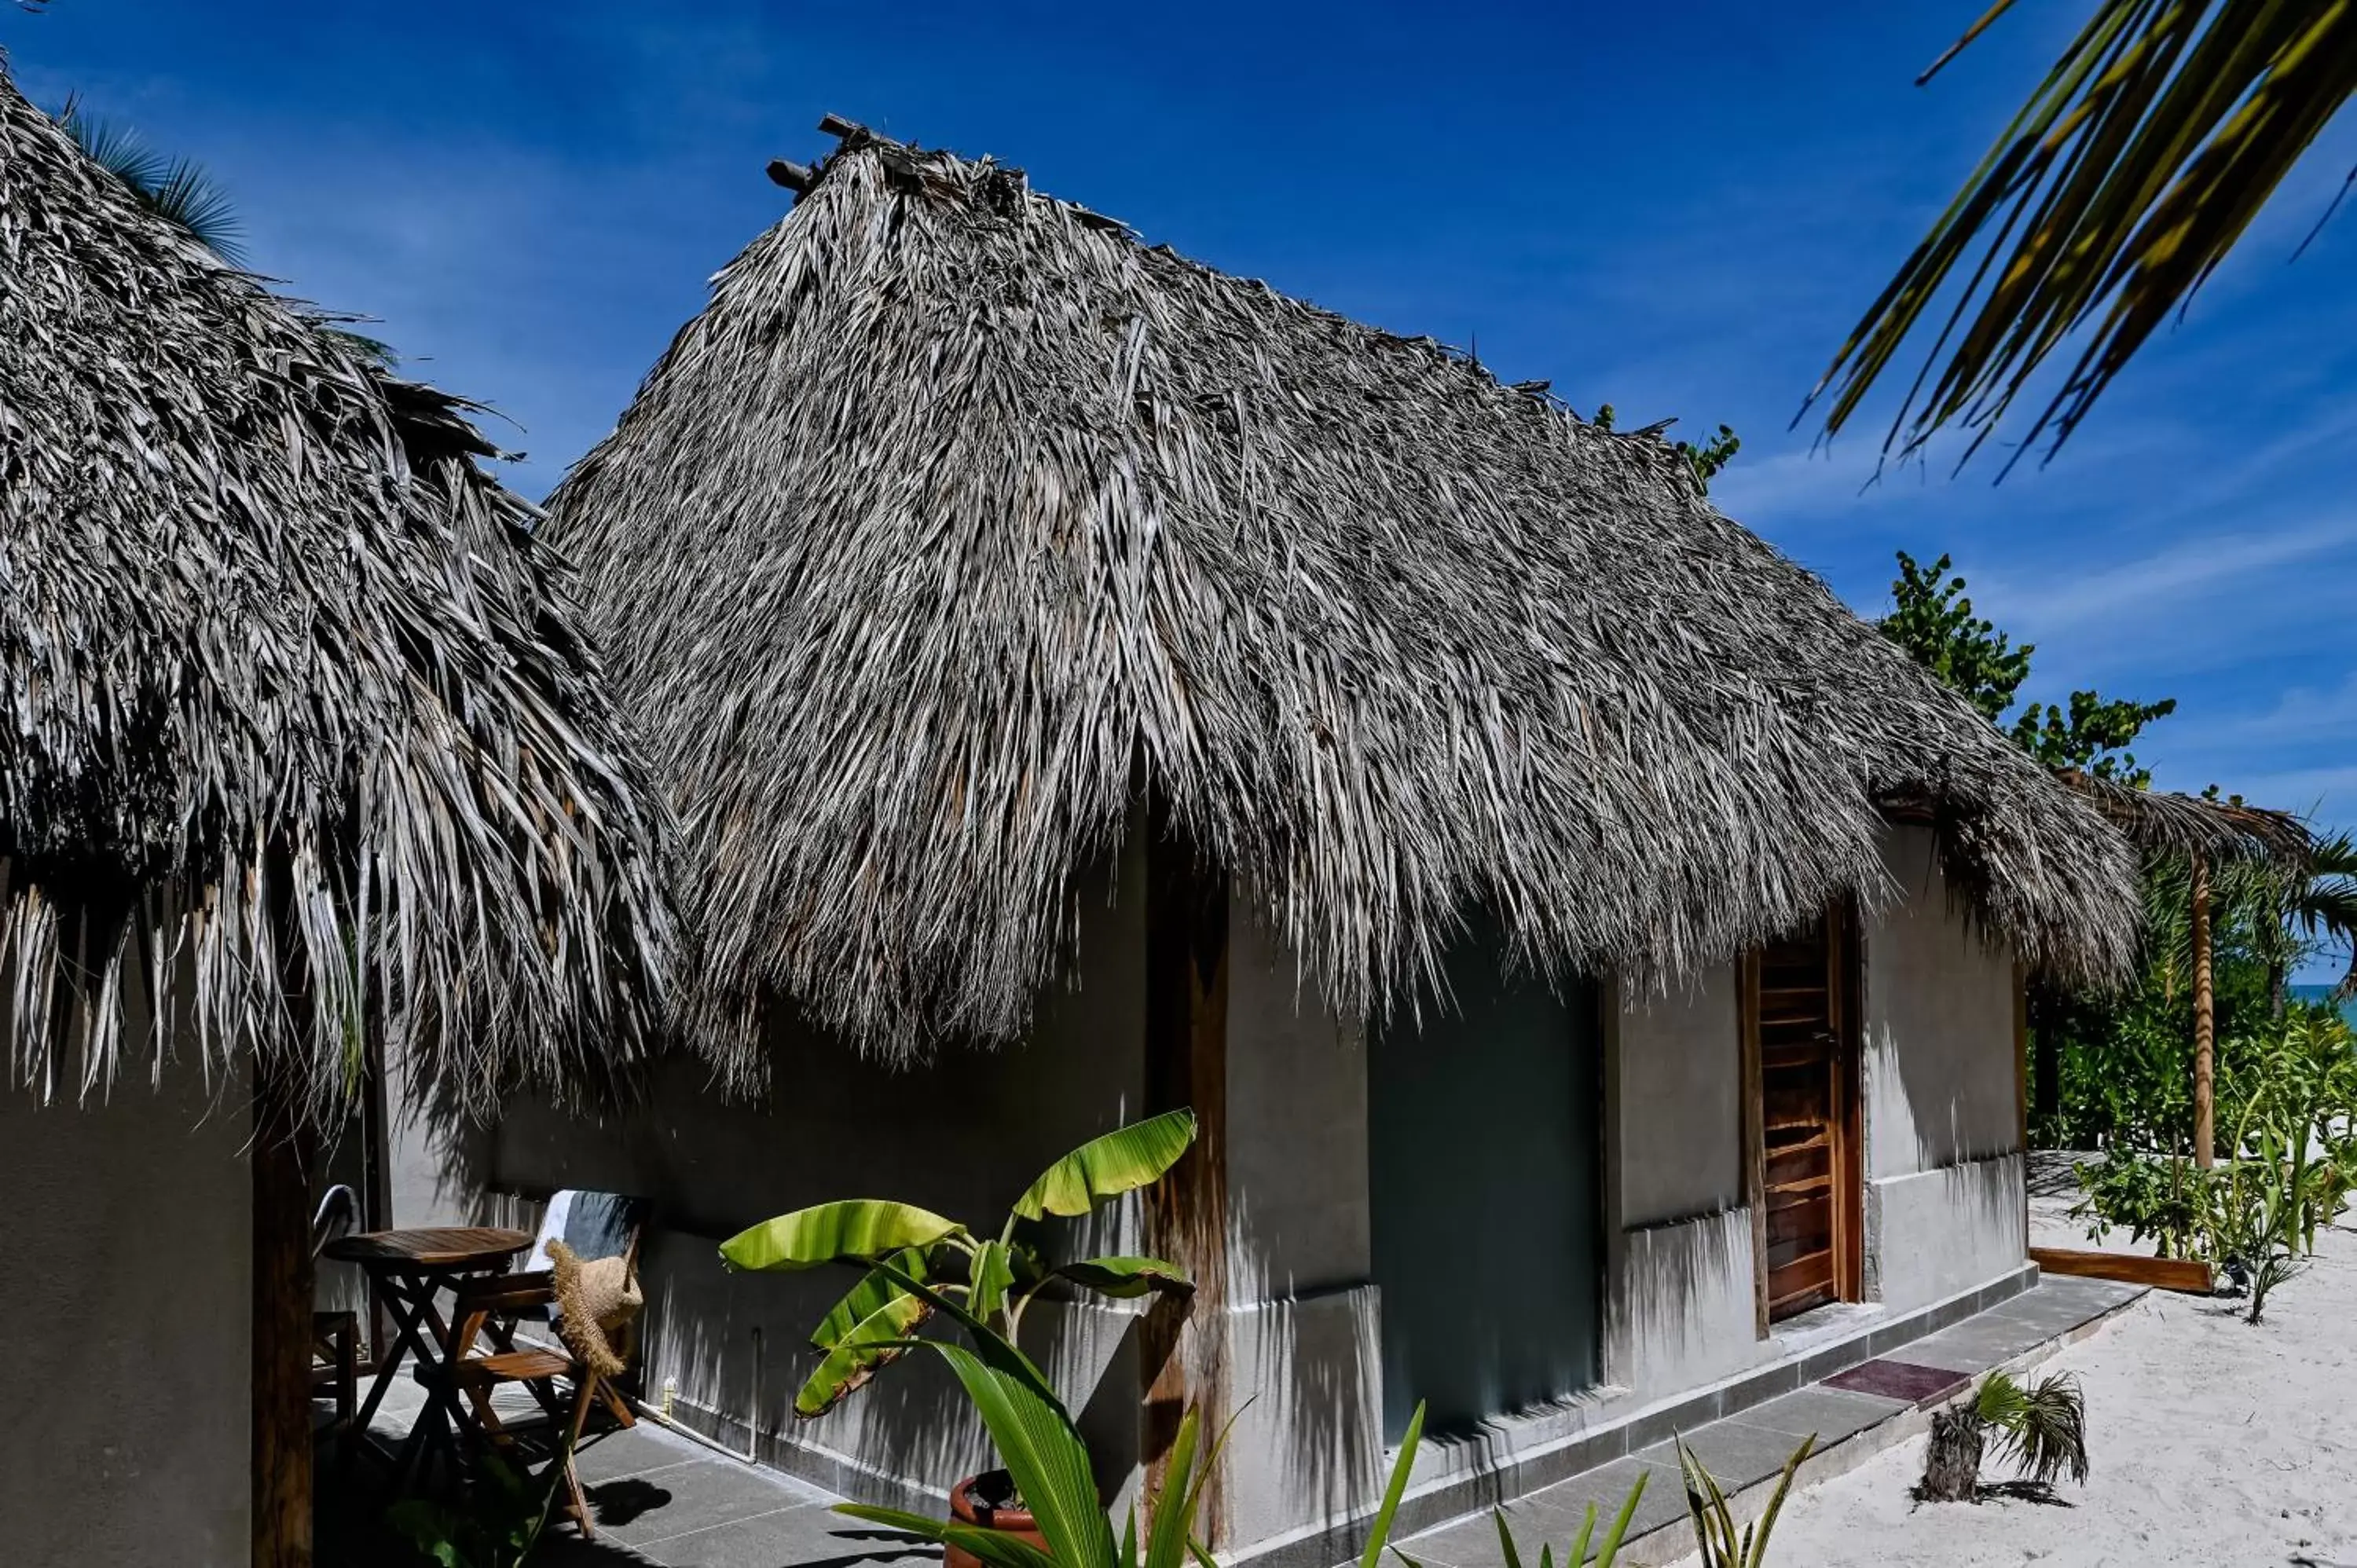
{"x": 2215, "y": 1444}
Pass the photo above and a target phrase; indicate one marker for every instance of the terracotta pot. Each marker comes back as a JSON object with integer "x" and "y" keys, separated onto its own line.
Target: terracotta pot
{"x": 966, "y": 1510}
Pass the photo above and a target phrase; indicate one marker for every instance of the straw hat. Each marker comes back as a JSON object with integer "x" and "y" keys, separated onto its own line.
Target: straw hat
{"x": 597, "y": 1302}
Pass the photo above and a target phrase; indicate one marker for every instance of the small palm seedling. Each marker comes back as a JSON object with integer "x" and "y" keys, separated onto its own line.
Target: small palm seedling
{"x": 1713, "y": 1522}
{"x": 2041, "y": 1427}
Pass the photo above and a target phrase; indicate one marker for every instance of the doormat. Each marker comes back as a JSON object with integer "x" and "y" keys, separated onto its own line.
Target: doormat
{"x": 1900, "y": 1381}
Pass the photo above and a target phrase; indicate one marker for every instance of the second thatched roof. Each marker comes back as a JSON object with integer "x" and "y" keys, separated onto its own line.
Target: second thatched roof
{"x": 300, "y": 730}
{"x": 961, "y": 516}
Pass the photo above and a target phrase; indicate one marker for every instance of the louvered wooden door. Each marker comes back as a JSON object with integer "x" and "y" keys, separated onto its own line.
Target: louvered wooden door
{"x": 1808, "y": 1119}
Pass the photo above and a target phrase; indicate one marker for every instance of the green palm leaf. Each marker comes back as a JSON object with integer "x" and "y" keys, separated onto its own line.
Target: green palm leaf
{"x": 1120, "y": 1162}
{"x": 2134, "y": 169}
{"x": 994, "y": 1547}
{"x": 857, "y": 1230}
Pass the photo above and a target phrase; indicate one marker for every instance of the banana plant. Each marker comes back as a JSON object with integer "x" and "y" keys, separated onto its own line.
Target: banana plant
{"x": 916, "y": 1259}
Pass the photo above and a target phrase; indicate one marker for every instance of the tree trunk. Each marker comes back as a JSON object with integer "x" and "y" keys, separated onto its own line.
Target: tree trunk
{"x": 1952, "y": 1466}
{"x": 282, "y": 1334}
{"x": 2205, "y": 1133}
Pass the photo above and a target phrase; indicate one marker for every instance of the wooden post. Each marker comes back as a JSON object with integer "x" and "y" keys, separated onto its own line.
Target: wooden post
{"x": 2021, "y": 1084}
{"x": 2205, "y": 1023}
{"x": 1183, "y": 1347}
{"x": 282, "y": 1332}
{"x": 1755, "y": 1140}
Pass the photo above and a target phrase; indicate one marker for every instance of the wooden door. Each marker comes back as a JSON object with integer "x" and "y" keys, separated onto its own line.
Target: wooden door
{"x": 1807, "y": 1087}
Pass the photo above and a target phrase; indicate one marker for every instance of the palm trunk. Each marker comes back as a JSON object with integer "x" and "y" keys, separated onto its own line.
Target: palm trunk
{"x": 2205, "y": 1130}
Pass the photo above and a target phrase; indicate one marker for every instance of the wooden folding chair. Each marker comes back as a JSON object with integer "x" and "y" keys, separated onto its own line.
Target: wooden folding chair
{"x": 482, "y": 1307}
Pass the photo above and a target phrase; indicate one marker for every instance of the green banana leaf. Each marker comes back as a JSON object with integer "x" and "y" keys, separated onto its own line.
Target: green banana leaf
{"x": 874, "y": 1343}
{"x": 1127, "y": 1277}
{"x": 859, "y": 1228}
{"x": 1135, "y": 1156}
{"x": 867, "y": 1298}
{"x": 989, "y": 1278}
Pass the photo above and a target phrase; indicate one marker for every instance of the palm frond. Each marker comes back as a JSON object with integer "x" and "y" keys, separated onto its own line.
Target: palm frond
{"x": 2043, "y": 1428}
{"x": 178, "y": 190}
{"x": 2133, "y": 170}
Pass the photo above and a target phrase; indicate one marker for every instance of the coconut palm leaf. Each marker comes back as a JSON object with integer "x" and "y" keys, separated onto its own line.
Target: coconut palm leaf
{"x": 2134, "y": 168}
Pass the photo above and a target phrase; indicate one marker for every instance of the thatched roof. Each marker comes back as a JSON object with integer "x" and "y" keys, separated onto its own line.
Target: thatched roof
{"x": 298, "y": 720}
{"x": 2161, "y": 821}
{"x": 961, "y": 515}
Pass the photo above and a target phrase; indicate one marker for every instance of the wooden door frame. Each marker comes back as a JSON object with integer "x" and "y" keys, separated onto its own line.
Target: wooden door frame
{"x": 1844, "y": 1000}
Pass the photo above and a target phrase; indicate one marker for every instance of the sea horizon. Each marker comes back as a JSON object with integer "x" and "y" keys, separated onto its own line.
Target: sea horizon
{"x": 2324, "y": 993}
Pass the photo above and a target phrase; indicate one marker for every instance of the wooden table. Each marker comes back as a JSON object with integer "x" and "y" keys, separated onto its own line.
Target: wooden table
{"x": 410, "y": 1268}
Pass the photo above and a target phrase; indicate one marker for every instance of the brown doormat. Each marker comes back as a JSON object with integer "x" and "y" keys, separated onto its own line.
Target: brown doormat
{"x": 1900, "y": 1381}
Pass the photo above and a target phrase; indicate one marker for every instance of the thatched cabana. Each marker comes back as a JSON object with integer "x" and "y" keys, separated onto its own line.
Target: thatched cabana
{"x": 301, "y": 741}
{"x": 959, "y": 512}
{"x": 1524, "y": 872}
{"x": 2202, "y": 831}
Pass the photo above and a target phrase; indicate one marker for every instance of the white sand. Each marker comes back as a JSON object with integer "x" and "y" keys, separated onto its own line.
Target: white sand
{"x": 2215, "y": 1444}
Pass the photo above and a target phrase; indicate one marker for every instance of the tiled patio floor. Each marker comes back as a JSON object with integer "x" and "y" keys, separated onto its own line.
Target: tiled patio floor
{"x": 659, "y": 1497}
{"x": 1750, "y": 1447}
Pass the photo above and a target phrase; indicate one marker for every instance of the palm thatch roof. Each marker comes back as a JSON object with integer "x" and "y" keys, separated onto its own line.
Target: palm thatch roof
{"x": 961, "y": 517}
{"x": 300, "y": 729}
{"x": 2160, "y": 821}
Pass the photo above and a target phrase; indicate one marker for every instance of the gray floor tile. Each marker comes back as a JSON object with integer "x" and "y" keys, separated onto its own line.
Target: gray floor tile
{"x": 1735, "y": 1455}
{"x": 807, "y": 1536}
{"x": 1830, "y": 1414}
{"x": 638, "y": 1451}
{"x": 641, "y": 1511}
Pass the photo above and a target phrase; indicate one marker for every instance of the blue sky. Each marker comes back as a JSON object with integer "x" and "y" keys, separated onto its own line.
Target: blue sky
{"x": 1678, "y": 219}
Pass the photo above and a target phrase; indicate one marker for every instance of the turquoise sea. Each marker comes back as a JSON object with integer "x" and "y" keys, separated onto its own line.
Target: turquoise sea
{"x": 2320, "y": 993}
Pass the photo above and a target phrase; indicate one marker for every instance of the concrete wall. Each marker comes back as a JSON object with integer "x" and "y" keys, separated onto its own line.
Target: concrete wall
{"x": 1680, "y": 1295}
{"x": 126, "y": 1327}
{"x": 1943, "y": 1161}
{"x": 963, "y": 1136}
{"x": 1486, "y": 1161}
{"x": 1304, "y": 1324}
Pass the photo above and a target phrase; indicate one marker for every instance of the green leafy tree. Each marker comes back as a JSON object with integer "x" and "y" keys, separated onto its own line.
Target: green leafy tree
{"x": 2091, "y": 735}
{"x": 1931, "y": 620}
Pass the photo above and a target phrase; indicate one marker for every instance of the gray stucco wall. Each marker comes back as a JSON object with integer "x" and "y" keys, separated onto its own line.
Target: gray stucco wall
{"x": 1944, "y": 1149}
{"x": 1680, "y": 1297}
{"x": 126, "y": 1327}
{"x": 962, "y": 1136}
{"x": 1304, "y": 1325}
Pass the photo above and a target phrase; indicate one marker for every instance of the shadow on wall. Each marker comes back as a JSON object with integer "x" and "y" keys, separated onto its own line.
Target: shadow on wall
{"x": 1683, "y": 1307}
{"x": 963, "y": 1137}
{"x": 1939, "y": 1041}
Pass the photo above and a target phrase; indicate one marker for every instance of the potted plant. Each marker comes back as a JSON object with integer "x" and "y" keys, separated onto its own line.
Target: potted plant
{"x": 916, "y": 1263}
